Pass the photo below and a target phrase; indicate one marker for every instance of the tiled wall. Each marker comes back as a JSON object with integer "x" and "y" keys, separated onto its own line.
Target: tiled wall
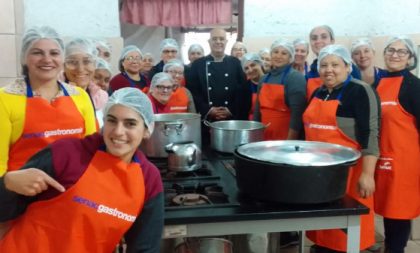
{"x": 10, "y": 31}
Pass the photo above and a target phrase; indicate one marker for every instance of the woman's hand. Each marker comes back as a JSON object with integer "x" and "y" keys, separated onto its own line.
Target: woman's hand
{"x": 30, "y": 182}
{"x": 366, "y": 185}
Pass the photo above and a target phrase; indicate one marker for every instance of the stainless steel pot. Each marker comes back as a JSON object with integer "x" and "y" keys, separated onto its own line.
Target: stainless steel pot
{"x": 298, "y": 172}
{"x": 226, "y": 135}
{"x": 183, "y": 156}
{"x": 172, "y": 128}
{"x": 204, "y": 245}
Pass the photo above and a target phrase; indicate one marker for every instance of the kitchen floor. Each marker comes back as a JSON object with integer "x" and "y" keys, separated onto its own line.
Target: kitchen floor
{"x": 413, "y": 246}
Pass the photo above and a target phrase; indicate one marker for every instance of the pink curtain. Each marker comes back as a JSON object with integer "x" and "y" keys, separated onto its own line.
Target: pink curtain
{"x": 179, "y": 13}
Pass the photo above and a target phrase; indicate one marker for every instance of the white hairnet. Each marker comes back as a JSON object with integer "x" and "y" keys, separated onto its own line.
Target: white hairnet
{"x": 102, "y": 64}
{"x": 103, "y": 44}
{"x": 337, "y": 50}
{"x": 301, "y": 42}
{"x": 173, "y": 63}
{"x": 196, "y": 48}
{"x": 168, "y": 43}
{"x": 160, "y": 78}
{"x": 325, "y": 27}
{"x": 263, "y": 51}
{"x": 128, "y": 49}
{"x": 239, "y": 44}
{"x": 410, "y": 46}
{"x": 286, "y": 45}
{"x": 148, "y": 55}
{"x": 34, "y": 34}
{"x": 135, "y": 99}
{"x": 361, "y": 42}
{"x": 251, "y": 57}
{"x": 81, "y": 45}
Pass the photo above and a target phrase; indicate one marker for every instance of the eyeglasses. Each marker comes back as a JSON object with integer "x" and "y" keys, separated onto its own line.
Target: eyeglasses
{"x": 169, "y": 51}
{"x": 175, "y": 73}
{"x": 400, "y": 52}
{"x": 166, "y": 88}
{"x": 133, "y": 59}
{"x": 238, "y": 49}
{"x": 74, "y": 63}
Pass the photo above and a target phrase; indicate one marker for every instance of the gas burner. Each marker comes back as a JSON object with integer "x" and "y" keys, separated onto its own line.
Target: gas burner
{"x": 187, "y": 193}
{"x": 205, "y": 172}
{"x": 191, "y": 199}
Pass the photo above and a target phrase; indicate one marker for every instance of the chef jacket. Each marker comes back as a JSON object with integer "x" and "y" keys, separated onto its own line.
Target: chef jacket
{"x": 215, "y": 84}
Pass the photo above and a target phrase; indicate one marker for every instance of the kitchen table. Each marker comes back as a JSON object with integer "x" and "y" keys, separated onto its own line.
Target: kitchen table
{"x": 243, "y": 215}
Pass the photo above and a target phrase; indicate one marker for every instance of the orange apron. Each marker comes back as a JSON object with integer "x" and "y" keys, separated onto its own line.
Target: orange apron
{"x": 274, "y": 111}
{"x": 397, "y": 176}
{"x": 321, "y": 125}
{"x": 178, "y": 101}
{"x": 45, "y": 122}
{"x": 91, "y": 216}
{"x": 312, "y": 84}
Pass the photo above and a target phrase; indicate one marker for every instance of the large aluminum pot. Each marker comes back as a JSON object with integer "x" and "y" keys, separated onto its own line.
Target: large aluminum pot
{"x": 172, "y": 128}
{"x": 226, "y": 135}
{"x": 204, "y": 245}
{"x": 297, "y": 172}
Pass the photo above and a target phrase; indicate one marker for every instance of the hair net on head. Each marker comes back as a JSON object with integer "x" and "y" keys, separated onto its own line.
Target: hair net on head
{"x": 103, "y": 44}
{"x": 195, "y": 48}
{"x": 263, "y": 51}
{"x": 168, "y": 43}
{"x": 410, "y": 46}
{"x": 148, "y": 55}
{"x": 34, "y": 34}
{"x": 361, "y": 42}
{"x": 80, "y": 45}
{"x": 128, "y": 49}
{"x": 251, "y": 57}
{"x": 286, "y": 45}
{"x": 102, "y": 64}
{"x": 239, "y": 44}
{"x": 325, "y": 27}
{"x": 134, "y": 99}
{"x": 301, "y": 42}
{"x": 159, "y": 78}
{"x": 173, "y": 63}
{"x": 337, "y": 50}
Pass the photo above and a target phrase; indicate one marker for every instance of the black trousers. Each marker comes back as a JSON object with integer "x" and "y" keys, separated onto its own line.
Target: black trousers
{"x": 397, "y": 233}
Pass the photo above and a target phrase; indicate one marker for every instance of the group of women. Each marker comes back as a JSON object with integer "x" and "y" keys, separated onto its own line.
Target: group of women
{"x": 347, "y": 100}
{"x": 78, "y": 194}
{"x": 332, "y": 100}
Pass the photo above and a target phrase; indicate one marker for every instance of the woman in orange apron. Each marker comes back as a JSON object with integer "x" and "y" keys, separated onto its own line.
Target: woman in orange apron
{"x": 320, "y": 37}
{"x": 181, "y": 100}
{"x": 281, "y": 95}
{"x": 333, "y": 116}
{"x": 84, "y": 195}
{"x": 397, "y": 197}
{"x": 79, "y": 69}
{"x": 363, "y": 55}
{"x": 253, "y": 68}
{"x": 39, "y": 109}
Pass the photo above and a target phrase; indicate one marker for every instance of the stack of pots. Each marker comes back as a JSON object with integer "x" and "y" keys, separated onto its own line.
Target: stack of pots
{"x": 172, "y": 128}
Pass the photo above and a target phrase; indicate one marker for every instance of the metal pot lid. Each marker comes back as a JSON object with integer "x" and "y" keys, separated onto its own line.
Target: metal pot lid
{"x": 299, "y": 153}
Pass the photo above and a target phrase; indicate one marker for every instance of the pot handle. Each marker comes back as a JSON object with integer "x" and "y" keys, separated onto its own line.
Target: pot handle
{"x": 207, "y": 123}
{"x": 178, "y": 127}
{"x": 268, "y": 124}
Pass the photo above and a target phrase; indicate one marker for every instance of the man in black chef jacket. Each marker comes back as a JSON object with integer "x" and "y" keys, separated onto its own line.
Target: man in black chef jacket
{"x": 218, "y": 84}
